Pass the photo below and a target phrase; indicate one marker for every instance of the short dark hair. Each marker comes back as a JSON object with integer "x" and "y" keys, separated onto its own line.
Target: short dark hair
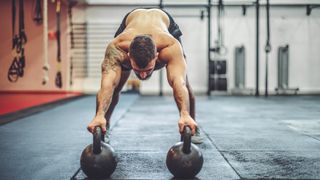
{"x": 142, "y": 50}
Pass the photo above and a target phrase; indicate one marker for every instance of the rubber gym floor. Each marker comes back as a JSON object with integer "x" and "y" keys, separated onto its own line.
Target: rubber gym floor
{"x": 244, "y": 138}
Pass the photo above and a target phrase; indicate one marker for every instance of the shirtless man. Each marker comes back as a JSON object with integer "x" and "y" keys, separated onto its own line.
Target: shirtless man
{"x": 147, "y": 40}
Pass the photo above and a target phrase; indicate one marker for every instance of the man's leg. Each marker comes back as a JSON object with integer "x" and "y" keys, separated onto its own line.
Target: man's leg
{"x": 196, "y": 139}
{"x": 115, "y": 100}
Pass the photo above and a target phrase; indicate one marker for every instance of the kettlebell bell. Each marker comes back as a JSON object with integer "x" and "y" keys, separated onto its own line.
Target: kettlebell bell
{"x": 184, "y": 159}
{"x": 98, "y": 160}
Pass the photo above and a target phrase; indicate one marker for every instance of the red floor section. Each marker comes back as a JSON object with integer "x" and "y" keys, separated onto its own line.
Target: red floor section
{"x": 12, "y": 102}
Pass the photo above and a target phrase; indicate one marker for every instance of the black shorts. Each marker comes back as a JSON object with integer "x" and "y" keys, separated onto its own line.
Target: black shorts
{"x": 173, "y": 28}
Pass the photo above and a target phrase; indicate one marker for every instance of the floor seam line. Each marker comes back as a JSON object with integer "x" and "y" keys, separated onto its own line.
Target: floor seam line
{"x": 207, "y": 135}
{"x": 121, "y": 117}
{"x": 312, "y": 137}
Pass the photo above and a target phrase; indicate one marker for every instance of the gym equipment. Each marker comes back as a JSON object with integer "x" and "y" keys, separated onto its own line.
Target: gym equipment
{"x": 218, "y": 67}
{"x": 46, "y": 66}
{"x": 309, "y": 8}
{"x": 218, "y": 64}
{"x": 71, "y": 39}
{"x": 58, "y": 80}
{"x": 240, "y": 72}
{"x": 209, "y": 44}
{"x": 220, "y": 47}
{"x": 184, "y": 159}
{"x": 257, "y": 46}
{"x": 98, "y": 160}
{"x": 267, "y": 47}
{"x": 37, "y": 17}
{"x": 19, "y": 40}
{"x": 217, "y": 78}
{"x": 283, "y": 67}
{"x": 211, "y": 67}
{"x": 239, "y": 77}
{"x": 283, "y": 71}
{"x": 218, "y": 83}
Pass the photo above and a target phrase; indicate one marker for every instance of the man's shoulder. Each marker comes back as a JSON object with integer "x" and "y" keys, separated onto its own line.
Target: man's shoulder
{"x": 119, "y": 43}
{"x": 116, "y": 51}
{"x": 165, "y": 40}
{"x": 171, "y": 49}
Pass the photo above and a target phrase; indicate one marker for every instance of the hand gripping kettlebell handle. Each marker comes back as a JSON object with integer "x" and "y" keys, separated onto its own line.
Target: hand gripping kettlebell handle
{"x": 186, "y": 138}
{"x": 97, "y": 138}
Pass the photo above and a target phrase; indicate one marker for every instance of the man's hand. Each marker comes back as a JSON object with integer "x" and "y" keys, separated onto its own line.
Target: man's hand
{"x": 186, "y": 120}
{"x": 98, "y": 121}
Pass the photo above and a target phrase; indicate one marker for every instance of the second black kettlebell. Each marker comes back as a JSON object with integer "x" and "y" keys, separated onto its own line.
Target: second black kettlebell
{"x": 98, "y": 160}
{"x": 184, "y": 159}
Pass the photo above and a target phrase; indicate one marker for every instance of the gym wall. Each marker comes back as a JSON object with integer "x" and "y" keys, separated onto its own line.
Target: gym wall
{"x": 289, "y": 25}
{"x": 33, "y": 73}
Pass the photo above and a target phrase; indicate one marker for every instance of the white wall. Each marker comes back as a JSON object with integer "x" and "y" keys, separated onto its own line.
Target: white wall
{"x": 289, "y": 25}
{"x": 195, "y": 44}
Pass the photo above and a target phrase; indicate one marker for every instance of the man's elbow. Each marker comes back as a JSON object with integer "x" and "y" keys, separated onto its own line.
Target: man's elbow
{"x": 108, "y": 85}
{"x": 177, "y": 82}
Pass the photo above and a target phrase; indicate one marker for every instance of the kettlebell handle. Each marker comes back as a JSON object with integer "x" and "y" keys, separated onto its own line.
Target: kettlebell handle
{"x": 186, "y": 138}
{"x": 97, "y": 138}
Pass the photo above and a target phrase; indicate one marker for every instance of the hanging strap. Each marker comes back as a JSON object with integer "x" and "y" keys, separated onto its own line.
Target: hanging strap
{"x": 58, "y": 32}
{"x": 220, "y": 28}
{"x": 221, "y": 49}
{"x": 58, "y": 80}
{"x": 268, "y": 46}
{"x": 161, "y": 4}
{"x": 37, "y": 17}
{"x": 14, "y": 36}
{"x": 19, "y": 39}
{"x": 72, "y": 41}
{"x": 46, "y": 65}
{"x": 13, "y": 73}
{"x": 22, "y": 33}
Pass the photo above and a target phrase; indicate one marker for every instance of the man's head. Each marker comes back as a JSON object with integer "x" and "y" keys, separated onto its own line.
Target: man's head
{"x": 143, "y": 55}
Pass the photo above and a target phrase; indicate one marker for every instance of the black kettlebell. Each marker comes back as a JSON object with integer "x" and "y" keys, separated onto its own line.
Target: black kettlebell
{"x": 98, "y": 160}
{"x": 184, "y": 159}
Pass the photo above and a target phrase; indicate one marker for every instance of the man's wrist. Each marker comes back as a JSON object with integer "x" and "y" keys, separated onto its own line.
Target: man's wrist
{"x": 184, "y": 113}
{"x": 100, "y": 114}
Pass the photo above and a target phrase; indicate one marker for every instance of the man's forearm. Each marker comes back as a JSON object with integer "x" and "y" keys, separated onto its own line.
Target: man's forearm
{"x": 181, "y": 97}
{"x": 104, "y": 99}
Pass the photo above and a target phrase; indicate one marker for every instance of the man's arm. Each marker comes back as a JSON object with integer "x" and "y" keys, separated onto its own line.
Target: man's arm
{"x": 176, "y": 74}
{"x": 111, "y": 73}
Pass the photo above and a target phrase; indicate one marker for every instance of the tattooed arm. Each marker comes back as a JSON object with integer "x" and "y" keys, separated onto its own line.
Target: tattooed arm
{"x": 111, "y": 73}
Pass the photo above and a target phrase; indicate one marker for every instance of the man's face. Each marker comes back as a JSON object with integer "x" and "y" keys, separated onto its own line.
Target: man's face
{"x": 145, "y": 73}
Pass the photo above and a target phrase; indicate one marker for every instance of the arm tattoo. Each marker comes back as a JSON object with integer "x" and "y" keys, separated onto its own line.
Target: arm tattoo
{"x": 111, "y": 62}
{"x": 112, "y": 58}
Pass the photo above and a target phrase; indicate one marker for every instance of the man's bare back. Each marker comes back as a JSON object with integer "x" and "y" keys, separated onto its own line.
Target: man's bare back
{"x": 153, "y": 22}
